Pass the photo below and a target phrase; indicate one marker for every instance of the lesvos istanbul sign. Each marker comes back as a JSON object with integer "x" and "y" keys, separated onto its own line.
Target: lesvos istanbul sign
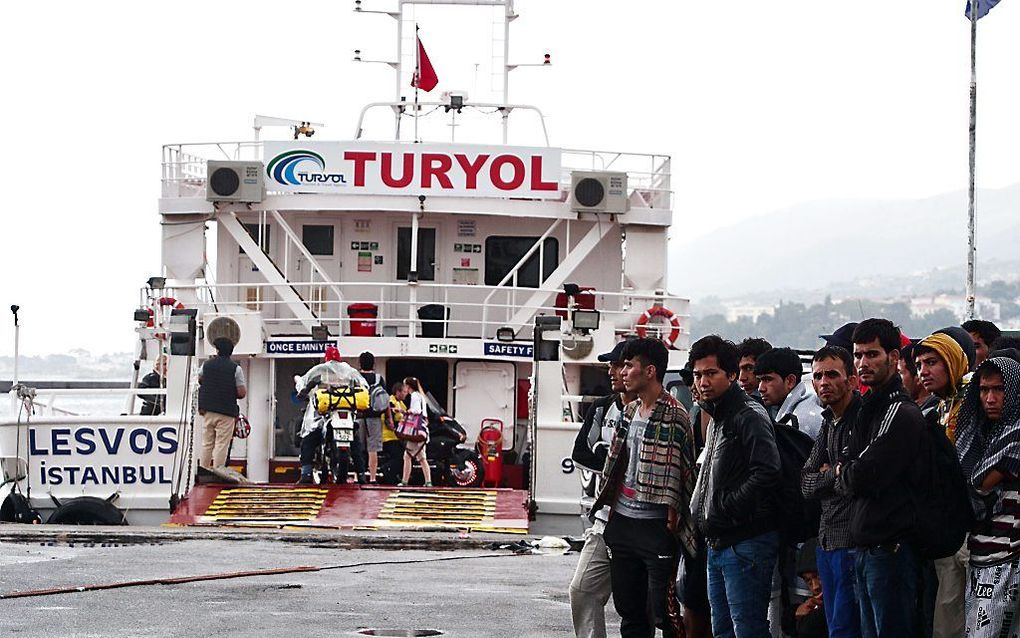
{"x": 463, "y": 170}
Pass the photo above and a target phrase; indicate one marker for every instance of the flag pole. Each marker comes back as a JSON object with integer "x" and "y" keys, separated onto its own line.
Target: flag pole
{"x": 971, "y": 249}
{"x": 417, "y": 78}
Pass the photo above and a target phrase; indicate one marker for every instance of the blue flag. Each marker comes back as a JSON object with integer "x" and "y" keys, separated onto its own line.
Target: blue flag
{"x": 983, "y": 7}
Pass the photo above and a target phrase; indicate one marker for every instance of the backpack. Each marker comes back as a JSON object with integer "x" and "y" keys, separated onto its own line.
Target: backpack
{"x": 800, "y": 517}
{"x": 944, "y": 514}
{"x": 379, "y": 398}
{"x": 17, "y": 509}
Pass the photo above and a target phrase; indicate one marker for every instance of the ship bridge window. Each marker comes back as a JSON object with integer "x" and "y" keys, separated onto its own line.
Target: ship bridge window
{"x": 317, "y": 239}
{"x": 503, "y": 253}
{"x": 253, "y": 232}
{"x": 426, "y": 253}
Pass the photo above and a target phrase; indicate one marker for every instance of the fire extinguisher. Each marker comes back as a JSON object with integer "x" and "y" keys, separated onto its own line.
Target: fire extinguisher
{"x": 490, "y": 448}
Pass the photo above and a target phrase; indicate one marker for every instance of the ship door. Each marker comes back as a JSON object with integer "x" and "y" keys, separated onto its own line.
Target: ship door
{"x": 320, "y": 242}
{"x": 289, "y": 410}
{"x": 433, "y": 374}
{"x": 428, "y": 267}
{"x": 485, "y": 390}
{"x": 255, "y": 296}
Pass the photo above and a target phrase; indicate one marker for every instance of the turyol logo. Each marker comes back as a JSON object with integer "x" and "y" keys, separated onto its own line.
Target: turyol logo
{"x": 284, "y": 169}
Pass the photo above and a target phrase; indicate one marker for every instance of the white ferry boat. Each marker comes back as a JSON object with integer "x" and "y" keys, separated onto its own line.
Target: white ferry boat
{"x": 493, "y": 273}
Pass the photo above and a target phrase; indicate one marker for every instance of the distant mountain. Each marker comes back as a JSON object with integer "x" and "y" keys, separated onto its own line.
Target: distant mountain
{"x": 74, "y": 365}
{"x": 814, "y": 245}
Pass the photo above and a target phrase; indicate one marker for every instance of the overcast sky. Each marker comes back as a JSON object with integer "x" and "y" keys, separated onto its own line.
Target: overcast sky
{"x": 761, "y": 105}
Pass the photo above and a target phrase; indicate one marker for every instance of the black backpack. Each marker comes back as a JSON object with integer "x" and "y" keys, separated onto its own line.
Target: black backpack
{"x": 800, "y": 517}
{"x": 944, "y": 514}
{"x": 17, "y": 509}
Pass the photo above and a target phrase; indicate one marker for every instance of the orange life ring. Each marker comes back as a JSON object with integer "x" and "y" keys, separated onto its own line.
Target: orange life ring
{"x": 659, "y": 311}
{"x": 162, "y": 302}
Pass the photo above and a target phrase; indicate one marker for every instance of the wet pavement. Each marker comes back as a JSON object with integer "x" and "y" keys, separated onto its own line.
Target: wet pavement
{"x": 456, "y": 584}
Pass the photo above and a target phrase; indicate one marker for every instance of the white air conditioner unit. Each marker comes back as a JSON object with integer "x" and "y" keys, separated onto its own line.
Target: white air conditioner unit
{"x": 230, "y": 181}
{"x": 598, "y": 192}
{"x": 245, "y": 328}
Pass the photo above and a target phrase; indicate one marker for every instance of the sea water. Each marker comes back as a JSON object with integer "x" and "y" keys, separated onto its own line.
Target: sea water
{"x": 85, "y": 405}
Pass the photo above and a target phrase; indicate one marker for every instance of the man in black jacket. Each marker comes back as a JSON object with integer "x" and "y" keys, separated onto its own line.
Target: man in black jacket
{"x": 152, "y": 404}
{"x": 882, "y": 477}
{"x": 734, "y": 501}
{"x": 220, "y": 385}
{"x": 590, "y": 588}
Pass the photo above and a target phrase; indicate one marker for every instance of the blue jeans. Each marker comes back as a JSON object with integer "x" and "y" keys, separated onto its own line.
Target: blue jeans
{"x": 836, "y": 571}
{"x": 740, "y": 586}
{"x": 886, "y": 582}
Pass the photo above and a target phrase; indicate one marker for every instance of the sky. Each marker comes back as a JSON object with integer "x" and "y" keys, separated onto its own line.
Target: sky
{"x": 761, "y": 105}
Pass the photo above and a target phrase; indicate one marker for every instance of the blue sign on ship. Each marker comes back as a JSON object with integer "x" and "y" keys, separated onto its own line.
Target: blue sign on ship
{"x": 500, "y": 349}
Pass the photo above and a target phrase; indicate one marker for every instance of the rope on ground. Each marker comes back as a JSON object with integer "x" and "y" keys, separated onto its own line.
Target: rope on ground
{"x": 228, "y": 575}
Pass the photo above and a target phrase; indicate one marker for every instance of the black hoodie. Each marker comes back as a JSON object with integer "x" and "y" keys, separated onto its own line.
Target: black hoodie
{"x": 881, "y": 473}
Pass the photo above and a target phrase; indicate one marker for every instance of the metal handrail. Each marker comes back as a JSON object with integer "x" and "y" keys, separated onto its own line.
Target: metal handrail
{"x": 400, "y": 312}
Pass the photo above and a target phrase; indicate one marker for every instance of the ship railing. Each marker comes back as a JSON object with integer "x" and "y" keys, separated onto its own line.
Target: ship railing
{"x": 648, "y": 174}
{"x": 45, "y": 399}
{"x": 466, "y": 311}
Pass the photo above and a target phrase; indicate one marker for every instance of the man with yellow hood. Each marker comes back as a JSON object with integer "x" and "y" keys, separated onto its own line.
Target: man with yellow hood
{"x": 942, "y": 367}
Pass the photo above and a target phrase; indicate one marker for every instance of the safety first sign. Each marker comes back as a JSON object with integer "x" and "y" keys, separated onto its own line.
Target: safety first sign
{"x": 462, "y": 170}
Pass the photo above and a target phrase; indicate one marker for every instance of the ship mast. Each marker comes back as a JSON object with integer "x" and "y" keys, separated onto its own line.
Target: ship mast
{"x": 508, "y": 15}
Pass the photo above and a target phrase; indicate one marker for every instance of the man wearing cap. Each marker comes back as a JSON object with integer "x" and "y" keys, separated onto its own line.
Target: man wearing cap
{"x": 841, "y": 336}
{"x": 942, "y": 366}
{"x": 220, "y": 385}
{"x": 332, "y": 371}
{"x": 591, "y": 585}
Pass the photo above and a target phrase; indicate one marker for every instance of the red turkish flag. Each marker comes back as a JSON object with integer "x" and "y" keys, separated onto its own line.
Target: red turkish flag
{"x": 424, "y": 77}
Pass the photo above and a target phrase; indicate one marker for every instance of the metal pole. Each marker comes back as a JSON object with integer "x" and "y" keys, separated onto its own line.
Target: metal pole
{"x": 417, "y": 79}
{"x": 508, "y": 11}
{"x": 971, "y": 249}
{"x": 400, "y": 62}
{"x": 17, "y": 339}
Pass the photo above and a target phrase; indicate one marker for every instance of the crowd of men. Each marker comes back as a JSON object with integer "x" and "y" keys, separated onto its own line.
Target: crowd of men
{"x": 876, "y": 496}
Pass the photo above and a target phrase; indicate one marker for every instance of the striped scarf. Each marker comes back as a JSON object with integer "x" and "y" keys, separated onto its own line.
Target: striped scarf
{"x": 666, "y": 470}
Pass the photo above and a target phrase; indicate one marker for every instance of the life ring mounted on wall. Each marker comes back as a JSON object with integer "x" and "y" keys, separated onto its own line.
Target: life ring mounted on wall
{"x": 658, "y": 310}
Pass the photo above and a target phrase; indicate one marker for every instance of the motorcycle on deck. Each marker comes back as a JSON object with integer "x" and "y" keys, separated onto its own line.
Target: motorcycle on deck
{"x": 334, "y": 409}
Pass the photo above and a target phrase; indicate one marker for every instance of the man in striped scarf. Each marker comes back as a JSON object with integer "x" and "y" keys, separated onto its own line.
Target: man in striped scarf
{"x": 649, "y": 478}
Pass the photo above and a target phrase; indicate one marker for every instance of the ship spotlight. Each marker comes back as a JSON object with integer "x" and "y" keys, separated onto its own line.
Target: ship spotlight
{"x": 156, "y": 283}
{"x": 506, "y": 334}
{"x": 585, "y": 320}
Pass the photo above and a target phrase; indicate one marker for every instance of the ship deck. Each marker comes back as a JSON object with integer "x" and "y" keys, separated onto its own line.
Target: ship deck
{"x": 354, "y": 507}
